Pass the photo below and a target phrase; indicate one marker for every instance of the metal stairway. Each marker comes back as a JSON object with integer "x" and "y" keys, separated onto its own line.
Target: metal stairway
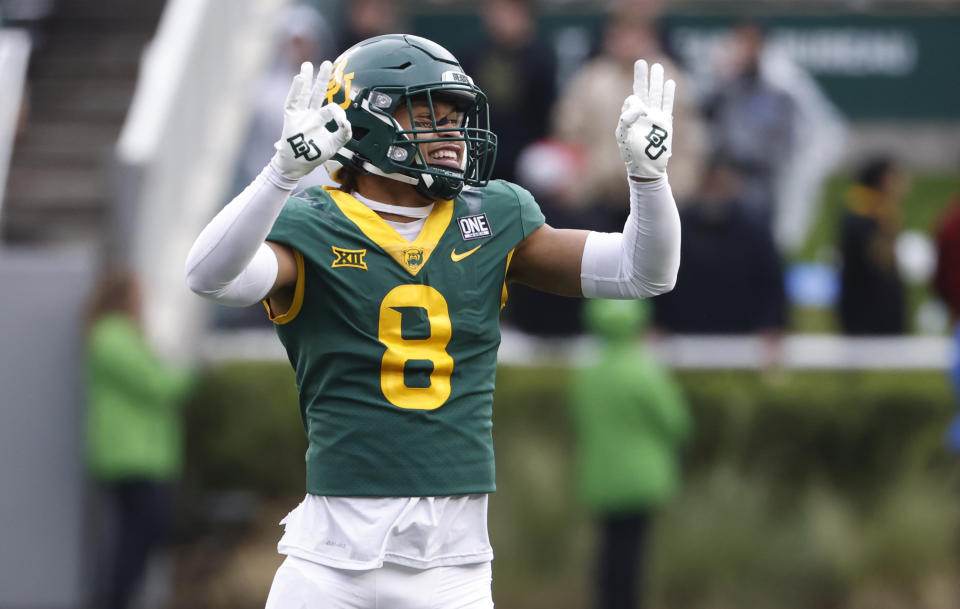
{"x": 81, "y": 79}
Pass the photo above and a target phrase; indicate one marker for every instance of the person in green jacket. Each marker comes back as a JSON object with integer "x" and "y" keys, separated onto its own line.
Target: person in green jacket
{"x": 630, "y": 418}
{"x": 133, "y": 442}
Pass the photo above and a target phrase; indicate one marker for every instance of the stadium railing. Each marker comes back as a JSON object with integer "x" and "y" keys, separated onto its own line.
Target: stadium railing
{"x": 177, "y": 150}
{"x": 14, "y": 55}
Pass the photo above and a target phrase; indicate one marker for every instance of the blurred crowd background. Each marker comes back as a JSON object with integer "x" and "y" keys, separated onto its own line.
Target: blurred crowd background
{"x": 787, "y": 412}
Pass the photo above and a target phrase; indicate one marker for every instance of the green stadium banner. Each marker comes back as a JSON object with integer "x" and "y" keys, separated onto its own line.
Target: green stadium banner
{"x": 873, "y": 66}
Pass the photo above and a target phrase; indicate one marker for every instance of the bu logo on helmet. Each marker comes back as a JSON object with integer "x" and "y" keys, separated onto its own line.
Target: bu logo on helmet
{"x": 656, "y": 137}
{"x": 301, "y": 147}
{"x": 339, "y": 82}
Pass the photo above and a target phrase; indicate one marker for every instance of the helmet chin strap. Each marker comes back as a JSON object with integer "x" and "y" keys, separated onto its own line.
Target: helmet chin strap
{"x": 426, "y": 185}
{"x": 399, "y": 177}
{"x": 370, "y": 168}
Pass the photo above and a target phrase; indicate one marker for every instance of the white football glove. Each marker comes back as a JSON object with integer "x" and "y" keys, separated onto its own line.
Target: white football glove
{"x": 645, "y": 130}
{"x": 306, "y": 142}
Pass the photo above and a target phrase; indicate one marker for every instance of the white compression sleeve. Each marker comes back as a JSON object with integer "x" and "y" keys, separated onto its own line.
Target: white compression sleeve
{"x": 229, "y": 262}
{"x": 643, "y": 260}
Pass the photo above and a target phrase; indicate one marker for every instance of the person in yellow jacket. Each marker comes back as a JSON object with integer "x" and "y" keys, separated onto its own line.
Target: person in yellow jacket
{"x": 133, "y": 442}
{"x": 630, "y": 419}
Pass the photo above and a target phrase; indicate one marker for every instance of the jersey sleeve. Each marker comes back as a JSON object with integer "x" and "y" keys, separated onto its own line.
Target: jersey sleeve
{"x": 288, "y": 227}
{"x": 531, "y": 218}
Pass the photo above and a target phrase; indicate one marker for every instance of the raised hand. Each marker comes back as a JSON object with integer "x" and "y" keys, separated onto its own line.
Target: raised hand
{"x": 645, "y": 130}
{"x": 306, "y": 142}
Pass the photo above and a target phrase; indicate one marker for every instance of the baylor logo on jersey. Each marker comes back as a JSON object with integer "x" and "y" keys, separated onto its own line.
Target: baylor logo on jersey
{"x": 412, "y": 257}
{"x": 351, "y": 258}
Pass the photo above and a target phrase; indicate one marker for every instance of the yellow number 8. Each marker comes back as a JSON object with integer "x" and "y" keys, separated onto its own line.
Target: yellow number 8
{"x": 401, "y": 350}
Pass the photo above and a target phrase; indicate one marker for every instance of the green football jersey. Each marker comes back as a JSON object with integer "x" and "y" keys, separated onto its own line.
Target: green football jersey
{"x": 394, "y": 343}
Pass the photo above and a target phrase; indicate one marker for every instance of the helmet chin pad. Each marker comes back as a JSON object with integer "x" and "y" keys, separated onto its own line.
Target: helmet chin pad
{"x": 438, "y": 187}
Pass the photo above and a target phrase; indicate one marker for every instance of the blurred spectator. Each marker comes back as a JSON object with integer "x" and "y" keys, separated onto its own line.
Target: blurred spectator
{"x": 946, "y": 282}
{"x": 23, "y": 12}
{"x": 133, "y": 441}
{"x": 871, "y": 290}
{"x": 517, "y": 72}
{"x": 589, "y": 107}
{"x": 752, "y": 122}
{"x": 757, "y": 109}
{"x": 301, "y": 35}
{"x": 727, "y": 259}
{"x": 813, "y": 157}
{"x": 630, "y": 418}
{"x": 364, "y": 19}
{"x": 550, "y": 169}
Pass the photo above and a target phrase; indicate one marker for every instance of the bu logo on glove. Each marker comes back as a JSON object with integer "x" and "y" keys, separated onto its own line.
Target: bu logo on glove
{"x": 656, "y": 138}
{"x": 301, "y": 148}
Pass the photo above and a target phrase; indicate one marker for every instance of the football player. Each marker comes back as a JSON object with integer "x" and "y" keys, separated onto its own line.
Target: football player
{"x": 386, "y": 294}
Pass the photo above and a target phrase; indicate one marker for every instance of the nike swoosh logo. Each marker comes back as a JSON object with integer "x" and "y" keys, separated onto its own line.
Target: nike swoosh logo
{"x": 458, "y": 257}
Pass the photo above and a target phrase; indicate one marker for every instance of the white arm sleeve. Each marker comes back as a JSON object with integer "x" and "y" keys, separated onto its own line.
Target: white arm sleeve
{"x": 229, "y": 262}
{"x": 643, "y": 260}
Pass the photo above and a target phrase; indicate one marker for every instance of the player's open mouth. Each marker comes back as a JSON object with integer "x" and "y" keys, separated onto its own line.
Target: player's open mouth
{"x": 447, "y": 157}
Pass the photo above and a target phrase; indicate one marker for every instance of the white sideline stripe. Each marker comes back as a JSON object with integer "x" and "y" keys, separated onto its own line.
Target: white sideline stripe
{"x": 798, "y": 352}
{"x": 810, "y": 352}
{"x": 14, "y": 57}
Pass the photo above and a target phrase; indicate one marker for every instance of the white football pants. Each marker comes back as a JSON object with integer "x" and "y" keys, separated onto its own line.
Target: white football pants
{"x": 301, "y": 584}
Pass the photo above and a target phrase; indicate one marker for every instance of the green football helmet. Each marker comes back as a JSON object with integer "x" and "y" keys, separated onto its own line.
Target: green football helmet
{"x": 373, "y": 78}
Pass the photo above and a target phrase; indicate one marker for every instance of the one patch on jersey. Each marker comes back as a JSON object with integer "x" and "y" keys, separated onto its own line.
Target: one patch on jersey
{"x": 474, "y": 227}
{"x": 351, "y": 258}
